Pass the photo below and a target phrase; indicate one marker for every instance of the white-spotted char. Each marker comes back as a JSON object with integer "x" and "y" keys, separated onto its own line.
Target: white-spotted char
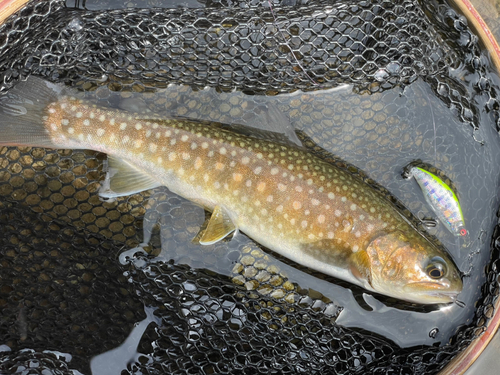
{"x": 281, "y": 195}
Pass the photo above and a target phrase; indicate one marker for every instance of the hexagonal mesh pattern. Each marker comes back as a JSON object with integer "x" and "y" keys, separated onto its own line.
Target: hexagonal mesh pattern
{"x": 59, "y": 242}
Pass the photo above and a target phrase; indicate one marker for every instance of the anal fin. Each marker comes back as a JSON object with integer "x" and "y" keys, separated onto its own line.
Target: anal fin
{"x": 122, "y": 178}
{"x": 219, "y": 226}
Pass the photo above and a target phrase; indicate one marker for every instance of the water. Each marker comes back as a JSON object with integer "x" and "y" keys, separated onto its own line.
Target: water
{"x": 379, "y": 134}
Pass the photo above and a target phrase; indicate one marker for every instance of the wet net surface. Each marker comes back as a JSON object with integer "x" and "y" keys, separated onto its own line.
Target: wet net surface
{"x": 62, "y": 289}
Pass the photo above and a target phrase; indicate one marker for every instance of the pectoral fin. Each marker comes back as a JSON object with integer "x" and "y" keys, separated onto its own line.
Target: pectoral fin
{"x": 360, "y": 266}
{"x": 219, "y": 226}
{"x": 122, "y": 178}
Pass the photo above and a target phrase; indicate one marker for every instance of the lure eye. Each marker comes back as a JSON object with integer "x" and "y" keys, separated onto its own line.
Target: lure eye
{"x": 436, "y": 269}
{"x": 463, "y": 232}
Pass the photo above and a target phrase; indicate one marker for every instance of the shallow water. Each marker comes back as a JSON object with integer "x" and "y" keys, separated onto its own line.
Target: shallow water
{"x": 379, "y": 134}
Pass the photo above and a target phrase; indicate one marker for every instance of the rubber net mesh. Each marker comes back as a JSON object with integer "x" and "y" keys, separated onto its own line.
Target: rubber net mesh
{"x": 61, "y": 287}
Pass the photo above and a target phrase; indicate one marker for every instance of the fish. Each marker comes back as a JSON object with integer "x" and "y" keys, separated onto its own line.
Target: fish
{"x": 439, "y": 196}
{"x": 279, "y": 194}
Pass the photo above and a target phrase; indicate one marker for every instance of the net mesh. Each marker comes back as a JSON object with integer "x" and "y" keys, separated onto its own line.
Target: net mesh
{"x": 61, "y": 286}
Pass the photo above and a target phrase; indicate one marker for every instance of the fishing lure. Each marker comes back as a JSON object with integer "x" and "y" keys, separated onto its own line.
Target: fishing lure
{"x": 439, "y": 195}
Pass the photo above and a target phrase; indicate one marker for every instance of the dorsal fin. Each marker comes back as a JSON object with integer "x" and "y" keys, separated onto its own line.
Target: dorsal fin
{"x": 275, "y": 127}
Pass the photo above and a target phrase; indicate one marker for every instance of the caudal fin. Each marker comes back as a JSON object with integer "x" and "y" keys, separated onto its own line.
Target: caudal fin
{"x": 22, "y": 110}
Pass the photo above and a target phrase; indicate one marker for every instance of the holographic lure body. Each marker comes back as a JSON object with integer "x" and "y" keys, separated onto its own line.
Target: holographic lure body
{"x": 441, "y": 198}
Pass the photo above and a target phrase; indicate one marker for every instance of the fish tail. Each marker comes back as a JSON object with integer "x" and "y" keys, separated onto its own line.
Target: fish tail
{"x": 22, "y": 112}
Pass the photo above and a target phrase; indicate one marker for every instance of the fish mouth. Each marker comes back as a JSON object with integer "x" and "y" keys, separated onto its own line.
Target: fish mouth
{"x": 440, "y": 291}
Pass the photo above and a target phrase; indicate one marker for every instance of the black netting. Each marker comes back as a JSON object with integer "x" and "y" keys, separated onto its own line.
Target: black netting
{"x": 62, "y": 289}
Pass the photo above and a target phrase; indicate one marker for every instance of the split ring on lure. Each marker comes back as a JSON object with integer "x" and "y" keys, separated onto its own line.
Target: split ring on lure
{"x": 441, "y": 197}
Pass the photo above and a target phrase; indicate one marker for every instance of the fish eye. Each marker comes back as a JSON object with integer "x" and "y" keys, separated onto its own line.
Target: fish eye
{"x": 436, "y": 268}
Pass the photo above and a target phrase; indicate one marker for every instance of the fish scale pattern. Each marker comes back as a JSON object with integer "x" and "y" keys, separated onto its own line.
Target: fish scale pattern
{"x": 60, "y": 242}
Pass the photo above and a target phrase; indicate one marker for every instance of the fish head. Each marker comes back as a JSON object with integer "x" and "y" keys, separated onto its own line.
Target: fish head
{"x": 412, "y": 269}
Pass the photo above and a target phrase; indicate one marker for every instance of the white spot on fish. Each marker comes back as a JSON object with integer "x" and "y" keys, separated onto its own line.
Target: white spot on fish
{"x": 297, "y": 205}
{"x": 355, "y": 248}
{"x": 248, "y": 183}
{"x": 92, "y": 115}
{"x": 269, "y": 198}
{"x": 331, "y": 195}
{"x": 274, "y": 171}
{"x": 111, "y": 122}
{"x": 315, "y": 202}
{"x": 100, "y": 132}
{"x": 245, "y": 160}
{"x": 338, "y": 213}
{"x": 102, "y": 118}
{"x": 197, "y": 163}
{"x": 123, "y": 126}
{"x": 79, "y": 114}
{"x": 172, "y": 156}
{"x": 173, "y": 142}
{"x": 204, "y": 145}
{"x": 86, "y": 122}
{"x": 71, "y": 130}
{"x": 353, "y": 207}
{"x": 223, "y": 151}
{"x": 125, "y": 139}
{"x": 184, "y": 138}
{"x": 304, "y": 224}
{"x": 330, "y": 235}
{"x": 298, "y": 188}
{"x": 257, "y": 170}
{"x": 321, "y": 219}
{"x": 153, "y": 147}
{"x": 52, "y": 110}
{"x": 193, "y": 146}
